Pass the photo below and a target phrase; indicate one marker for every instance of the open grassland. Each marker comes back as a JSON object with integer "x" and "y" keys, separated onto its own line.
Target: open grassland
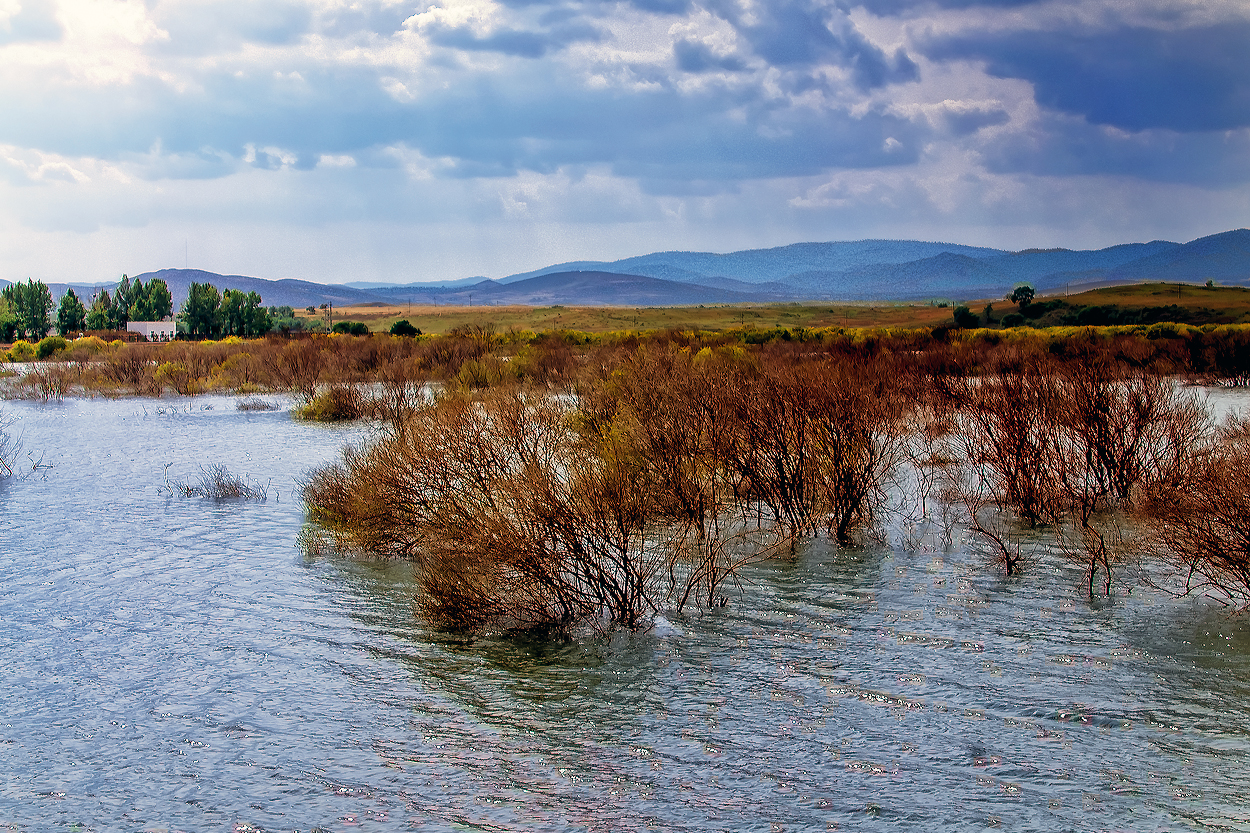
{"x": 440, "y": 319}
{"x": 1229, "y": 304}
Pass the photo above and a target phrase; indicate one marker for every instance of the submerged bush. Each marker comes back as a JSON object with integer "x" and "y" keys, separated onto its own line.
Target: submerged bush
{"x": 8, "y": 448}
{"x": 523, "y": 510}
{"x": 514, "y": 520}
{"x": 338, "y": 403}
{"x": 44, "y": 382}
{"x": 179, "y": 377}
{"x": 1067, "y": 442}
{"x": 253, "y": 404}
{"x": 216, "y": 482}
{"x": 1201, "y": 519}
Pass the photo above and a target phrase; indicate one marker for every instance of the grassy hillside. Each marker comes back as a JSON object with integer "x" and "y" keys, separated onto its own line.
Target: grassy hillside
{"x": 1228, "y": 300}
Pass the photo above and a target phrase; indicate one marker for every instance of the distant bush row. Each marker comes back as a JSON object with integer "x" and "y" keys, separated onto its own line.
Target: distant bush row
{"x": 480, "y": 357}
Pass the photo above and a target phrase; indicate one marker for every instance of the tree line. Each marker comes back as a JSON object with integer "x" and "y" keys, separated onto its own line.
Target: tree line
{"x": 208, "y": 313}
{"x": 26, "y": 308}
{"x": 130, "y": 301}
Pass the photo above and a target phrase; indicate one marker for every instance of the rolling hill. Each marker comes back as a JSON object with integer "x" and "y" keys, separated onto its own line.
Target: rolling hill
{"x": 859, "y": 270}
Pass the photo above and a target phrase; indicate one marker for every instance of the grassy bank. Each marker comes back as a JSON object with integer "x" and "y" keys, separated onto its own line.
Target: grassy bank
{"x": 475, "y": 358}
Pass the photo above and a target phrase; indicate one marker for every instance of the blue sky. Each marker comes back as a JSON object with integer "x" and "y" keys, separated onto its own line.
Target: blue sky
{"x": 339, "y": 140}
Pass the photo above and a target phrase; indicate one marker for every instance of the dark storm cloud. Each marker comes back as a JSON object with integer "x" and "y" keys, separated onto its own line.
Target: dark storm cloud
{"x": 1067, "y": 146}
{"x": 1134, "y": 78}
{"x": 795, "y": 34}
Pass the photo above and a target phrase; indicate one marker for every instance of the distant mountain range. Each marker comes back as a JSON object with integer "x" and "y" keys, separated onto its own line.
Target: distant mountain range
{"x": 861, "y": 270}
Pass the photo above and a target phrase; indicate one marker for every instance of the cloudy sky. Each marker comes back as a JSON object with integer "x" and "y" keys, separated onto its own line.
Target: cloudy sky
{"x": 400, "y": 140}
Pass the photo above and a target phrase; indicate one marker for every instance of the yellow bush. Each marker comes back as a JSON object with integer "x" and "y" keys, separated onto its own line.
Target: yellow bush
{"x": 22, "y": 351}
{"x": 177, "y": 376}
{"x": 92, "y": 344}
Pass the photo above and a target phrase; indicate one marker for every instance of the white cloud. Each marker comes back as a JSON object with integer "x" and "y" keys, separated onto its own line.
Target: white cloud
{"x": 527, "y": 133}
{"x": 341, "y": 161}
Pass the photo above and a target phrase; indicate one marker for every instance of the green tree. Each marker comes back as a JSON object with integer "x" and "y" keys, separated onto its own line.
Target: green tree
{"x": 8, "y": 321}
{"x": 100, "y": 316}
{"x": 160, "y": 303}
{"x": 140, "y": 307}
{"x": 71, "y": 316}
{"x": 202, "y": 310}
{"x": 1023, "y": 295}
{"x": 39, "y": 304}
{"x": 122, "y": 300}
{"x": 233, "y": 314}
{"x": 242, "y": 314}
{"x": 31, "y": 305}
{"x": 259, "y": 321}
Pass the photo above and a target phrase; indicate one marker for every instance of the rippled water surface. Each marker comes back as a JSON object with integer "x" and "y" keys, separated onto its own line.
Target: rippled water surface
{"x": 177, "y": 664}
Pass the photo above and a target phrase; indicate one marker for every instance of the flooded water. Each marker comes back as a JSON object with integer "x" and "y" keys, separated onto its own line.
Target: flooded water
{"x": 177, "y": 664}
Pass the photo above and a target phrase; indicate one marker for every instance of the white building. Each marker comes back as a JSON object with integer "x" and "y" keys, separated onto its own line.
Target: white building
{"x": 153, "y": 330}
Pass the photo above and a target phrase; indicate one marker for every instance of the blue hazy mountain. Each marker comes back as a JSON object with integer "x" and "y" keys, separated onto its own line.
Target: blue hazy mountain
{"x": 766, "y": 265}
{"x": 865, "y": 269}
{"x": 285, "y": 292}
{"x": 1224, "y": 258}
{"x": 900, "y": 269}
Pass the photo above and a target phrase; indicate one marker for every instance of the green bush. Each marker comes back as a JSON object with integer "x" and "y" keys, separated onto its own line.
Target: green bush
{"x": 403, "y": 328}
{"x": 50, "y": 346}
{"x": 352, "y": 328}
{"x": 966, "y": 318}
{"x": 1013, "y": 319}
{"x": 22, "y": 351}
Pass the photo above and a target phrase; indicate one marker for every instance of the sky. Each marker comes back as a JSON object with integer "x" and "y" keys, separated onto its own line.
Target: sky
{"x": 393, "y": 140}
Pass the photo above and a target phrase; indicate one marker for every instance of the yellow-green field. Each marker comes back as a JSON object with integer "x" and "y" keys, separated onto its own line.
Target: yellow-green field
{"x": 1234, "y": 301}
{"x": 440, "y": 319}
